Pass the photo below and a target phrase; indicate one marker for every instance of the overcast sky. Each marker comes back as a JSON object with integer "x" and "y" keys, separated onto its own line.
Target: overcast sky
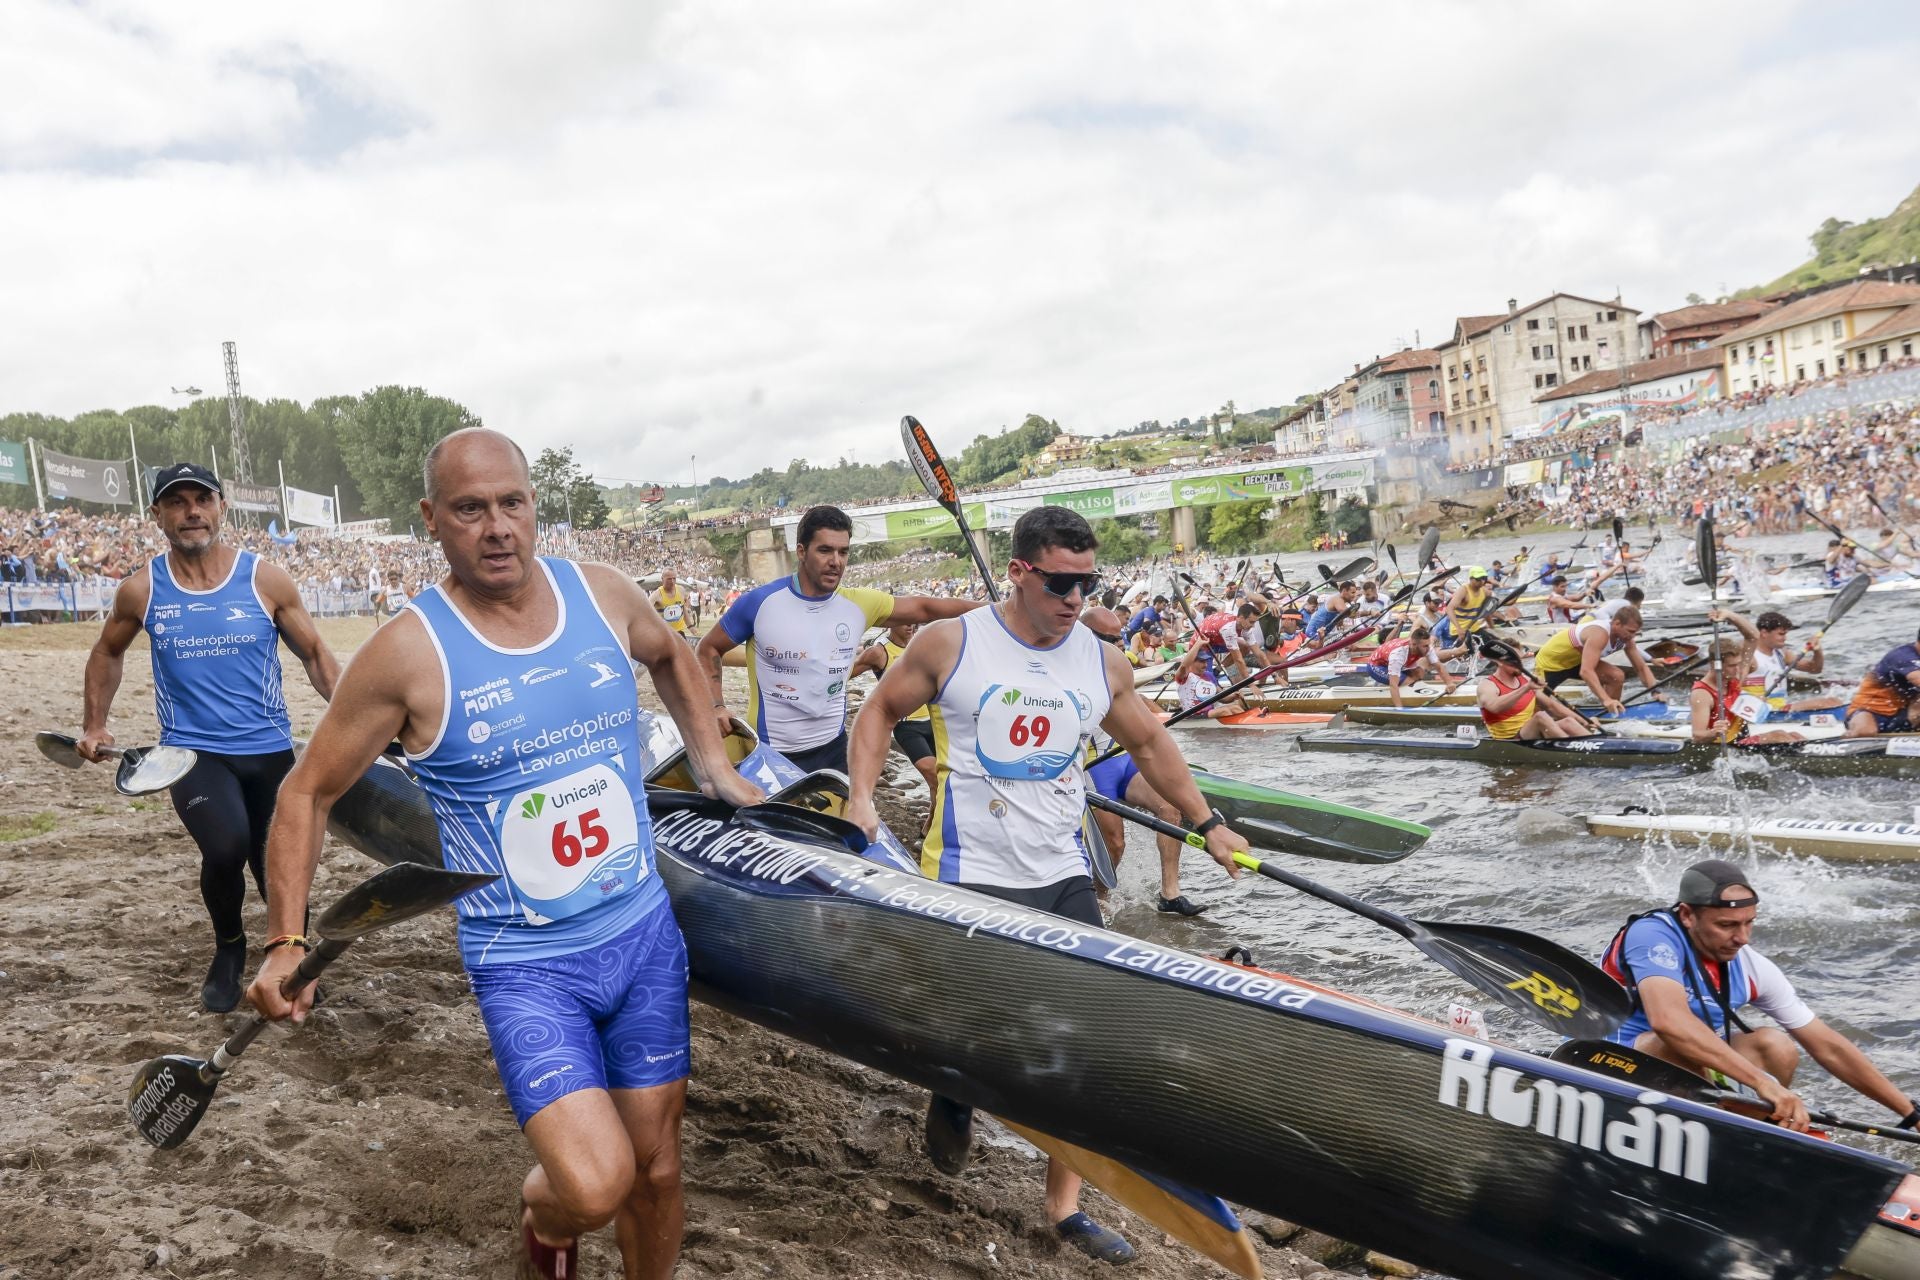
{"x": 756, "y": 231}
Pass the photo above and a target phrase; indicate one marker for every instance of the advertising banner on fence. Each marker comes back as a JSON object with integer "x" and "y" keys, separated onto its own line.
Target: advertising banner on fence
{"x": 364, "y": 528}
{"x": 304, "y": 507}
{"x": 1094, "y": 504}
{"x": 13, "y": 463}
{"x": 88, "y": 479}
{"x": 241, "y": 496}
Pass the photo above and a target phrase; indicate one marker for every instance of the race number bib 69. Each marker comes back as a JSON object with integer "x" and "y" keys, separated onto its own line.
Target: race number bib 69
{"x": 571, "y": 842}
{"x": 1029, "y": 731}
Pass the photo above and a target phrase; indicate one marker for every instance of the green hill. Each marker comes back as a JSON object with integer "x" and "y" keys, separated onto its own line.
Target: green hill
{"x": 1842, "y": 250}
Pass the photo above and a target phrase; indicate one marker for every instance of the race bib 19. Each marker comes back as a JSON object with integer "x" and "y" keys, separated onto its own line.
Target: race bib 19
{"x": 1751, "y": 709}
{"x": 1029, "y": 731}
{"x": 571, "y": 842}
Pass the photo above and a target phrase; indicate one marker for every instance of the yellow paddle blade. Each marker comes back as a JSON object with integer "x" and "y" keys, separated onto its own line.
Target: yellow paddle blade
{"x": 1232, "y": 1248}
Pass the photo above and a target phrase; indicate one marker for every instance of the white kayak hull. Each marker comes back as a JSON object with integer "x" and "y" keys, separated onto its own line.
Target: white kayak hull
{"x": 1840, "y": 840}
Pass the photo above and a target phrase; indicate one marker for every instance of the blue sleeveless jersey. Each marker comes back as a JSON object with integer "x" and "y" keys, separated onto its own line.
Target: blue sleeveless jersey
{"x": 216, "y": 663}
{"x": 536, "y": 776}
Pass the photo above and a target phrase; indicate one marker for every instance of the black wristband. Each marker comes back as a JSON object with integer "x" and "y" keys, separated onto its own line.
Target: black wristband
{"x": 1913, "y": 1117}
{"x": 1213, "y": 819}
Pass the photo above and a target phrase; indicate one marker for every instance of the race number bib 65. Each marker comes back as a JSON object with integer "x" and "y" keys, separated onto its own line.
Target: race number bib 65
{"x": 571, "y": 842}
{"x": 1029, "y": 731}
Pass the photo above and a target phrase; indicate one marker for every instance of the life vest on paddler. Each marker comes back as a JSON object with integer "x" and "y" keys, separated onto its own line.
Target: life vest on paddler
{"x": 1212, "y": 625}
{"x": 1730, "y": 725}
{"x": 1469, "y": 608}
{"x": 1510, "y": 724}
{"x": 1709, "y": 986}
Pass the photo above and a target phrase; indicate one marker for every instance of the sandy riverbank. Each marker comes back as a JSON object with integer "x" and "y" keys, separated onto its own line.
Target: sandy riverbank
{"x": 375, "y": 1141}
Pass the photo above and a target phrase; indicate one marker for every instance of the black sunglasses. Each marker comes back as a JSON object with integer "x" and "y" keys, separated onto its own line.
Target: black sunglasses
{"x": 1065, "y": 584}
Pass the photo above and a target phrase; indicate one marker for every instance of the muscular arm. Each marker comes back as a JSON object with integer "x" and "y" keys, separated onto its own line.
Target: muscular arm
{"x": 873, "y": 659}
{"x": 369, "y": 708}
{"x": 911, "y": 682}
{"x": 1133, "y": 724}
{"x": 676, "y": 677}
{"x": 106, "y": 662}
{"x": 1692, "y": 1041}
{"x": 1640, "y": 667}
{"x": 714, "y": 646}
{"x": 926, "y": 609}
{"x": 1843, "y": 1058}
{"x": 297, "y": 629}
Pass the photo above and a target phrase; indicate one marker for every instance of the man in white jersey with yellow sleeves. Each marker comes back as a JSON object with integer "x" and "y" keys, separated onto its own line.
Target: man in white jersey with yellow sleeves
{"x": 802, "y": 634}
{"x": 509, "y": 686}
{"x": 1013, "y": 691}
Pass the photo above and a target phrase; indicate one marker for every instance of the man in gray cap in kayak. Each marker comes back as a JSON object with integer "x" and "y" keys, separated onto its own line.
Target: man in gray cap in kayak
{"x": 1691, "y": 968}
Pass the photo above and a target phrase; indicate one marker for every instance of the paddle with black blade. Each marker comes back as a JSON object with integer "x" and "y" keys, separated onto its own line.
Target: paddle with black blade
{"x": 939, "y": 485}
{"x": 1619, "y": 535}
{"x": 1623, "y": 1063}
{"x": 142, "y": 770}
{"x": 1841, "y": 534}
{"x": 171, "y": 1094}
{"x": 1849, "y": 596}
{"x": 1473, "y": 666}
{"x": 1537, "y": 978}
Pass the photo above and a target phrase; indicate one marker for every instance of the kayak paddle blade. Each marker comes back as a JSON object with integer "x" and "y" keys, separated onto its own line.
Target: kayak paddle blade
{"x": 145, "y": 770}
{"x": 1706, "y": 553}
{"x": 1530, "y": 975}
{"x": 1428, "y": 545}
{"x": 401, "y": 892}
{"x": 59, "y": 748}
{"x": 1849, "y": 596}
{"x": 1278, "y": 837}
{"x": 168, "y": 1097}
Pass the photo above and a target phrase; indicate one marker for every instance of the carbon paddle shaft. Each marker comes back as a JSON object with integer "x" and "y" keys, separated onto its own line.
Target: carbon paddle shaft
{"x": 310, "y": 966}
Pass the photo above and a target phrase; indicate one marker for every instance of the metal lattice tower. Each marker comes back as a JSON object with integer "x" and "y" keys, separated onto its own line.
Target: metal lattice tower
{"x": 237, "y": 415}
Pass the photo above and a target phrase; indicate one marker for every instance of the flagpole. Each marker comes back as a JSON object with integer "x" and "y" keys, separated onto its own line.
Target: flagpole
{"x": 281, "y": 467}
{"x": 214, "y": 453}
{"x": 336, "y": 506}
{"x": 139, "y": 481}
{"x": 33, "y": 458}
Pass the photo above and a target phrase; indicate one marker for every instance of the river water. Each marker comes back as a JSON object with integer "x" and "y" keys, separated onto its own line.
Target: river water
{"x": 1845, "y": 933}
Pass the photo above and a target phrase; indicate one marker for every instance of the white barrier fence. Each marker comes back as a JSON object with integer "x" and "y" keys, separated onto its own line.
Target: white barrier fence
{"x": 22, "y": 603}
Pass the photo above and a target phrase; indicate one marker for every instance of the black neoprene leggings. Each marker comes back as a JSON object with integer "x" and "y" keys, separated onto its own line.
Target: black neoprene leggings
{"x": 225, "y": 803}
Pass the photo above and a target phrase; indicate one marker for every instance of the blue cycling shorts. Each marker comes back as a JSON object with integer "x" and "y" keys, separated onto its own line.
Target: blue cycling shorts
{"x": 610, "y": 1017}
{"x": 1111, "y": 778}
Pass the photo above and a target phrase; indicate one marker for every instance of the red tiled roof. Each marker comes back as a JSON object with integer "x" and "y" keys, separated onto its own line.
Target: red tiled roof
{"x": 1712, "y": 313}
{"x": 1645, "y": 371}
{"x": 1899, "y": 324}
{"x": 1404, "y": 361}
{"x": 1828, "y": 302}
{"x": 1474, "y": 326}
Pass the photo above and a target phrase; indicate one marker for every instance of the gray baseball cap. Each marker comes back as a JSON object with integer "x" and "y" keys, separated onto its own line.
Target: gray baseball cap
{"x": 1704, "y": 884}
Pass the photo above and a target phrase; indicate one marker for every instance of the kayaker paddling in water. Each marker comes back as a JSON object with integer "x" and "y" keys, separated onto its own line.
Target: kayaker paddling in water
{"x": 1768, "y": 667}
{"x": 1716, "y": 706}
{"x": 510, "y": 687}
{"x": 1014, "y": 690}
{"x": 1579, "y": 651}
{"x": 802, "y": 633}
{"x": 1398, "y": 663}
{"x": 1888, "y": 699}
{"x": 1513, "y": 705}
{"x": 1198, "y": 677}
{"x": 1691, "y": 969}
{"x": 216, "y": 616}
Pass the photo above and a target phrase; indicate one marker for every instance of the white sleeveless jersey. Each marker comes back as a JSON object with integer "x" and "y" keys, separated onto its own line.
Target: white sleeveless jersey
{"x": 1008, "y": 726}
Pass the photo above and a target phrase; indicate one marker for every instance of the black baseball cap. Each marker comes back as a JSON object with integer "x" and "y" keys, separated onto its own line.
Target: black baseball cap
{"x": 1704, "y": 884}
{"x": 185, "y": 473}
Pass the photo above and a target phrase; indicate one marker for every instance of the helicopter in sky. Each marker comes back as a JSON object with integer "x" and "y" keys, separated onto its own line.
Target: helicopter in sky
{"x": 185, "y": 391}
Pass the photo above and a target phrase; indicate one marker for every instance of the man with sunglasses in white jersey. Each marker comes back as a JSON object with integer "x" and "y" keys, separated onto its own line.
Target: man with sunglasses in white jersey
{"x": 1013, "y": 692}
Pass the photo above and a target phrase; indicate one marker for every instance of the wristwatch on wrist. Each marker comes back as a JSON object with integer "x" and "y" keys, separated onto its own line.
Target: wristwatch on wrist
{"x": 1213, "y": 819}
{"x": 1913, "y": 1117}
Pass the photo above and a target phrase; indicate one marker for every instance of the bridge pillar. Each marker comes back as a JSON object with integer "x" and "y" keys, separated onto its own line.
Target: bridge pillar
{"x": 1184, "y": 532}
{"x": 979, "y": 539}
{"x": 767, "y": 556}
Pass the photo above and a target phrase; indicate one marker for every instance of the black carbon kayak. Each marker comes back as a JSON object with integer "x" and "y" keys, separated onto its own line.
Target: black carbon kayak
{"x": 1464, "y": 1156}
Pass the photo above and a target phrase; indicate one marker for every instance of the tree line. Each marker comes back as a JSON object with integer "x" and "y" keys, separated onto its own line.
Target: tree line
{"x": 371, "y": 447}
